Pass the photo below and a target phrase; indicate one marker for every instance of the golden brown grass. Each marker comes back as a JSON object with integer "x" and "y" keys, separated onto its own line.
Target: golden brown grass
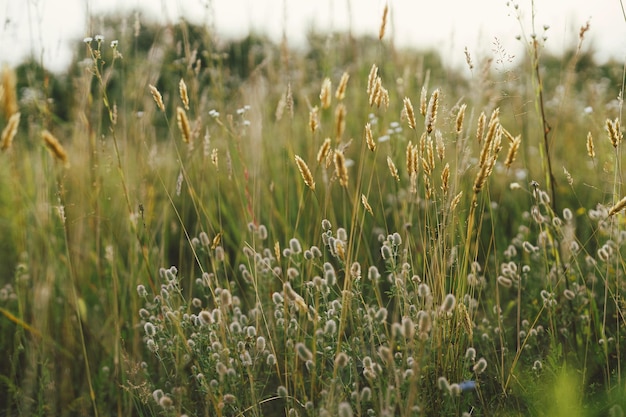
{"x": 55, "y": 147}
{"x": 9, "y": 131}
{"x": 306, "y": 173}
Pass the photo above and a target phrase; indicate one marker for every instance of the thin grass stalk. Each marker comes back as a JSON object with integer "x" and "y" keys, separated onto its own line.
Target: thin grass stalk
{"x": 545, "y": 126}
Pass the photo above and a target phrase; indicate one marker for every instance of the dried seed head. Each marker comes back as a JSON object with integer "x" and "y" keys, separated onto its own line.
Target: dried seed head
{"x": 340, "y": 121}
{"x": 430, "y": 155}
{"x": 289, "y": 100}
{"x": 619, "y": 206}
{"x": 445, "y": 179}
{"x": 459, "y": 119}
{"x": 214, "y": 157}
{"x": 55, "y": 147}
{"x": 431, "y": 112}
{"x": 371, "y": 80}
{"x": 305, "y": 172}
{"x": 314, "y": 120}
{"x": 343, "y": 84}
{"x": 468, "y": 59}
{"x": 377, "y": 93}
{"x": 383, "y": 23}
{"x": 423, "y": 94}
{"x": 184, "y": 97}
{"x": 428, "y": 191}
{"x": 325, "y": 94}
{"x": 341, "y": 171}
{"x": 183, "y": 124}
{"x": 513, "y": 148}
{"x": 456, "y": 200}
{"x": 9, "y": 131}
{"x": 614, "y": 131}
{"x": 410, "y": 156}
{"x": 393, "y": 169}
{"x": 441, "y": 146}
{"x": 410, "y": 114}
{"x": 8, "y": 102}
{"x": 369, "y": 138}
{"x": 480, "y": 129}
{"x": 324, "y": 150}
{"x": 366, "y": 204}
{"x": 158, "y": 99}
{"x": 590, "y": 148}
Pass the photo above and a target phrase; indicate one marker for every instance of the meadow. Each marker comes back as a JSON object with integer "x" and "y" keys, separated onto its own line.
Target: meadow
{"x": 207, "y": 228}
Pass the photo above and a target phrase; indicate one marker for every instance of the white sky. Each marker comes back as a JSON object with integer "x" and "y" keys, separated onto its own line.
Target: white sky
{"x": 47, "y": 27}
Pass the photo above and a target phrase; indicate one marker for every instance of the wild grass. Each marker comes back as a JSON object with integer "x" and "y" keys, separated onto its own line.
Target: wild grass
{"x": 213, "y": 229}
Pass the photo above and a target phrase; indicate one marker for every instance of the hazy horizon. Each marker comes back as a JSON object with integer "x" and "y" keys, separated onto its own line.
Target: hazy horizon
{"x": 46, "y": 29}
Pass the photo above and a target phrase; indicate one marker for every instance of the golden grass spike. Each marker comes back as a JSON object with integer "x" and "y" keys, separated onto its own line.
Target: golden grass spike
{"x": 430, "y": 154}
{"x": 383, "y": 23}
{"x": 183, "y": 124}
{"x": 413, "y": 183}
{"x": 314, "y": 121}
{"x": 340, "y": 168}
{"x": 485, "y": 153}
{"x": 410, "y": 114}
{"x": 590, "y": 148}
{"x": 614, "y": 132}
{"x": 619, "y": 206}
{"x": 423, "y": 101}
{"x": 410, "y": 163}
{"x": 55, "y": 147}
{"x": 366, "y": 204}
{"x": 306, "y": 173}
{"x": 441, "y": 146}
{"x": 9, "y": 131}
{"x": 428, "y": 191}
{"x": 158, "y": 99}
{"x": 322, "y": 154}
{"x": 371, "y": 80}
{"x": 340, "y": 121}
{"x": 343, "y": 84}
{"x": 215, "y": 158}
{"x": 382, "y": 97}
{"x": 445, "y": 179}
{"x": 456, "y": 200}
{"x": 9, "y": 96}
{"x": 325, "y": 95}
{"x": 369, "y": 138}
{"x": 460, "y": 117}
{"x": 393, "y": 169}
{"x": 184, "y": 96}
{"x": 513, "y": 148}
{"x": 431, "y": 112}
{"x": 480, "y": 129}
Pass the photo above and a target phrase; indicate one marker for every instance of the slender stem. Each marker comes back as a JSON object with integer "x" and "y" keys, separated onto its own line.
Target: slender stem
{"x": 546, "y": 128}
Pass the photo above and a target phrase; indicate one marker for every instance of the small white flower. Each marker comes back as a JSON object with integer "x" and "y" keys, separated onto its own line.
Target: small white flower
{"x": 99, "y": 38}
{"x": 88, "y": 39}
{"x": 114, "y": 43}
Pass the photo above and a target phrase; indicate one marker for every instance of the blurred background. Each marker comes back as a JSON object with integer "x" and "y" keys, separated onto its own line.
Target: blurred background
{"x": 46, "y": 29}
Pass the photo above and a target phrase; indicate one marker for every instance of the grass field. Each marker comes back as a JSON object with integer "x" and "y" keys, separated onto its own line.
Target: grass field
{"x": 226, "y": 229}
